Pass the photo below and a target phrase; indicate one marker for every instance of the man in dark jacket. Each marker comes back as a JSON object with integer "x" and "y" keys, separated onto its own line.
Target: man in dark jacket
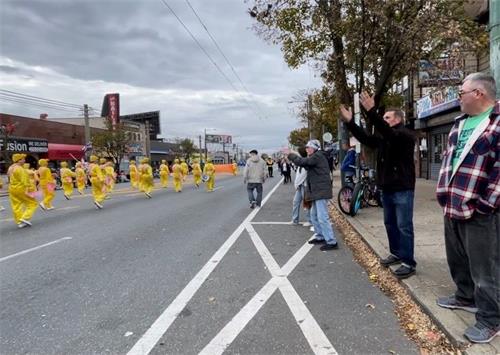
{"x": 318, "y": 189}
{"x": 395, "y": 177}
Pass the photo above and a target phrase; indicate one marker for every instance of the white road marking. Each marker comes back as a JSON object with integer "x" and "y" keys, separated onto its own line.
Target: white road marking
{"x": 315, "y": 336}
{"x": 218, "y": 187}
{"x": 33, "y": 249}
{"x": 147, "y": 342}
{"x": 286, "y": 223}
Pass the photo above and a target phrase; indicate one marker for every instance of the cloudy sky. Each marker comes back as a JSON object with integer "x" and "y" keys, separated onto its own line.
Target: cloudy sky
{"x": 76, "y": 51}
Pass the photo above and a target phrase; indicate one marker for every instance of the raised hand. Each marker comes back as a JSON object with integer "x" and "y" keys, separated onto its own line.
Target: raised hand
{"x": 345, "y": 113}
{"x": 366, "y": 101}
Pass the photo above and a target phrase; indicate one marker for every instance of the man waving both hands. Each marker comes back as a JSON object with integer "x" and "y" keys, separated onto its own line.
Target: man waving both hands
{"x": 395, "y": 177}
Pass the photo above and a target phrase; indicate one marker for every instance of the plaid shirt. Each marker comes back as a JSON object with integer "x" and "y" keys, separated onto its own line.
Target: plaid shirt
{"x": 475, "y": 183}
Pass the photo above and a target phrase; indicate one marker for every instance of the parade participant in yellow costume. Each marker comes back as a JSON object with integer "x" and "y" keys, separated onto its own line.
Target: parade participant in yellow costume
{"x": 81, "y": 178}
{"x": 185, "y": 169}
{"x": 147, "y": 181}
{"x": 33, "y": 178}
{"x": 47, "y": 184}
{"x": 164, "y": 172}
{"x": 209, "y": 170}
{"x": 196, "y": 173}
{"x": 109, "y": 176}
{"x": 23, "y": 205}
{"x": 97, "y": 181}
{"x": 139, "y": 172}
{"x": 67, "y": 180}
{"x": 134, "y": 174}
{"x": 235, "y": 168}
{"x": 178, "y": 175}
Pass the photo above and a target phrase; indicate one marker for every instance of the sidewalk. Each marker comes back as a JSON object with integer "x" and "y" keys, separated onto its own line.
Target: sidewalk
{"x": 433, "y": 277}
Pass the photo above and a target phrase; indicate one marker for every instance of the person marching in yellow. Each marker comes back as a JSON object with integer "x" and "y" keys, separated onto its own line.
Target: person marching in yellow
{"x": 178, "y": 175}
{"x": 33, "y": 179}
{"x": 185, "y": 169}
{"x": 67, "y": 180}
{"x": 23, "y": 205}
{"x": 97, "y": 181}
{"x": 109, "y": 176}
{"x": 164, "y": 172}
{"x": 139, "y": 174}
{"x": 81, "y": 177}
{"x": 47, "y": 184}
{"x": 134, "y": 174}
{"x": 235, "y": 168}
{"x": 196, "y": 173}
{"x": 147, "y": 181}
{"x": 209, "y": 170}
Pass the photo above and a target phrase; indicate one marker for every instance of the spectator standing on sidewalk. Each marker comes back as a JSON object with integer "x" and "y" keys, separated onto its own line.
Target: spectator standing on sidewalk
{"x": 468, "y": 190}
{"x": 300, "y": 180}
{"x": 286, "y": 169}
{"x": 349, "y": 163}
{"x": 254, "y": 176}
{"x": 319, "y": 191}
{"x": 395, "y": 177}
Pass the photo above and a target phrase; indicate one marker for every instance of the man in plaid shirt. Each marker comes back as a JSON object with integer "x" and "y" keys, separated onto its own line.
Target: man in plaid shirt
{"x": 468, "y": 190}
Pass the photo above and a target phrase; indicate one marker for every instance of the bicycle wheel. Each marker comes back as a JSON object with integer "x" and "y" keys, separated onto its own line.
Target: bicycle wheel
{"x": 357, "y": 199}
{"x": 344, "y": 199}
{"x": 370, "y": 196}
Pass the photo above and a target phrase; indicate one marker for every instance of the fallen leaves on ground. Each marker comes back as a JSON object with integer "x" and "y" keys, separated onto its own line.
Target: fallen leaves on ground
{"x": 417, "y": 324}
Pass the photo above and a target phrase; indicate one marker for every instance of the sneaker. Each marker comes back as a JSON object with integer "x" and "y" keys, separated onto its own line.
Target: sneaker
{"x": 21, "y": 225}
{"x": 311, "y": 229}
{"x": 306, "y": 224}
{"x": 329, "y": 247}
{"x": 98, "y": 205}
{"x": 404, "y": 271}
{"x": 50, "y": 208}
{"x": 80, "y": 192}
{"x": 480, "y": 333}
{"x": 147, "y": 194}
{"x": 28, "y": 223}
{"x": 252, "y": 204}
{"x": 67, "y": 197}
{"x": 315, "y": 240}
{"x": 451, "y": 302}
{"x": 292, "y": 222}
{"x": 2, "y": 208}
{"x": 390, "y": 260}
{"x": 42, "y": 206}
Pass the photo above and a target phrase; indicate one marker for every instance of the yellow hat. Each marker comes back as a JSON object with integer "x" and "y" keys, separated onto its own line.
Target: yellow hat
{"x": 176, "y": 161}
{"x": 145, "y": 161}
{"x": 18, "y": 156}
{"x": 26, "y": 165}
{"x": 209, "y": 160}
{"x": 43, "y": 162}
{"x": 64, "y": 164}
{"x": 132, "y": 162}
{"x": 102, "y": 160}
{"x": 94, "y": 158}
{"x": 78, "y": 164}
{"x": 163, "y": 161}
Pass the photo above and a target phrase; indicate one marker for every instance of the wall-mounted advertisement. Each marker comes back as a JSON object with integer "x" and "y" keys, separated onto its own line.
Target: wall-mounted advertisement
{"x": 439, "y": 100}
{"x": 441, "y": 72}
{"x": 219, "y": 138}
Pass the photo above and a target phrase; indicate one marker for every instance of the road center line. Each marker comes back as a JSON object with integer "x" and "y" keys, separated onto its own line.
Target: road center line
{"x": 35, "y": 248}
{"x": 147, "y": 342}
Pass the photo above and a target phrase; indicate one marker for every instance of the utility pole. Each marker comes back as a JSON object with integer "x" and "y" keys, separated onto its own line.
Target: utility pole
{"x": 87, "y": 129}
{"x": 494, "y": 27}
{"x": 199, "y": 146}
{"x": 148, "y": 141}
{"x": 309, "y": 111}
{"x": 224, "y": 151}
{"x": 206, "y": 151}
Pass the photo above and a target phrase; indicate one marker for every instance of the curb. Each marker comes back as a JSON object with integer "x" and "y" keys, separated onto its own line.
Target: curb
{"x": 451, "y": 323}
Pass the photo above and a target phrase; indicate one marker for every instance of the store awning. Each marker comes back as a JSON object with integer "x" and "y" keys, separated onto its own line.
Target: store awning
{"x": 65, "y": 151}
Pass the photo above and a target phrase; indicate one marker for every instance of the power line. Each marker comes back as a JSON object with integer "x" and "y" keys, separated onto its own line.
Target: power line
{"x": 220, "y": 51}
{"x": 37, "y": 98}
{"x": 10, "y": 99}
{"x": 203, "y": 50}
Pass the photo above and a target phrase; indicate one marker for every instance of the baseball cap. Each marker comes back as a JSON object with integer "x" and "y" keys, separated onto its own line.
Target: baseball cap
{"x": 314, "y": 143}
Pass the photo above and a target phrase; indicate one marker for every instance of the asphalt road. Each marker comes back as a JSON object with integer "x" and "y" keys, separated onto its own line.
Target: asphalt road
{"x": 184, "y": 273}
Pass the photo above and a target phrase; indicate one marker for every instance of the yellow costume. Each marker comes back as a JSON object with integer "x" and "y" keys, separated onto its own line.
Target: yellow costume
{"x": 196, "y": 173}
{"x": 47, "y": 184}
{"x": 81, "y": 178}
{"x": 134, "y": 175}
{"x": 67, "y": 180}
{"x": 209, "y": 170}
{"x": 97, "y": 181}
{"x": 23, "y": 205}
{"x": 185, "y": 169}
{"x": 139, "y": 174}
{"x": 1, "y": 187}
{"x": 178, "y": 175}
{"x": 164, "y": 172}
{"x": 146, "y": 177}
{"x": 235, "y": 169}
{"x": 33, "y": 178}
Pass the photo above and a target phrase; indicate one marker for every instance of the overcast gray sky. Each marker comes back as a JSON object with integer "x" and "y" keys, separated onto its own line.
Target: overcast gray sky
{"x": 78, "y": 50}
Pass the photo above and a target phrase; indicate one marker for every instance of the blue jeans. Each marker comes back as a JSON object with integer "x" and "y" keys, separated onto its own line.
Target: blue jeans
{"x": 321, "y": 221}
{"x": 398, "y": 220}
{"x": 297, "y": 202}
{"x": 251, "y": 186}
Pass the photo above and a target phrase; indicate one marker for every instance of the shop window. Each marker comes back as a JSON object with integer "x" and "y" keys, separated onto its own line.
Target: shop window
{"x": 437, "y": 148}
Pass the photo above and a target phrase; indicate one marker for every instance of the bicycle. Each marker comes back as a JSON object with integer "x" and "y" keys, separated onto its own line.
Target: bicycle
{"x": 345, "y": 195}
{"x": 365, "y": 192}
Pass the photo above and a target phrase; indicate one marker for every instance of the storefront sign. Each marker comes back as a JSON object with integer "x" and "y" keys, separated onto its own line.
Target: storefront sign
{"x": 218, "y": 138}
{"x": 25, "y": 145}
{"x": 442, "y": 71}
{"x": 438, "y": 101}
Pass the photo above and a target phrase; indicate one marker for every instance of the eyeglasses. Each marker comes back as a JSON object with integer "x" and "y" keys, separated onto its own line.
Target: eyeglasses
{"x": 462, "y": 93}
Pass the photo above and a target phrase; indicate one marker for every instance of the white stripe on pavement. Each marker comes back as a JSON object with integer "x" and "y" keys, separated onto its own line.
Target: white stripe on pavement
{"x": 147, "y": 342}
{"x": 33, "y": 249}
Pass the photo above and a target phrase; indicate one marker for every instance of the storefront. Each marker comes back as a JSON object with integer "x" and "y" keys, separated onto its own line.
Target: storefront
{"x": 34, "y": 149}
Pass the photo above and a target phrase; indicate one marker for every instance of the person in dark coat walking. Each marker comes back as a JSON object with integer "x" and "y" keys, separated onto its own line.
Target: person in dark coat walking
{"x": 318, "y": 189}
